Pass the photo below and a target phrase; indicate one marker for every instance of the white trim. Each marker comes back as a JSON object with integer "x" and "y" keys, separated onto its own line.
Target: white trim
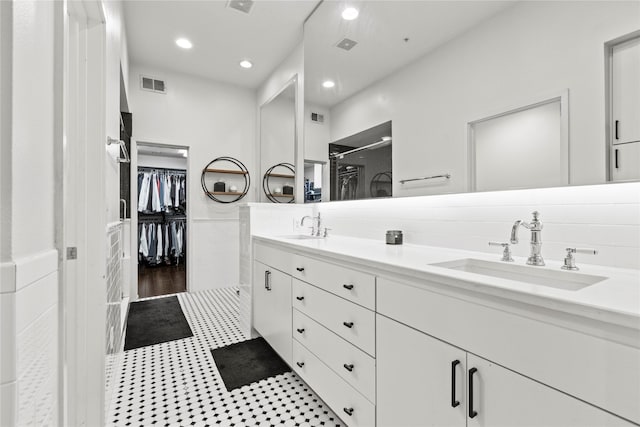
{"x": 32, "y": 268}
{"x": 7, "y": 278}
{"x": 8, "y": 343}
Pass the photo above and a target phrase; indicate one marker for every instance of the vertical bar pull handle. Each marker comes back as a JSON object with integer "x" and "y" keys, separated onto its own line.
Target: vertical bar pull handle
{"x": 617, "y": 136}
{"x": 472, "y": 413}
{"x": 454, "y": 402}
{"x": 616, "y": 157}
{"x": 267, "y": 280}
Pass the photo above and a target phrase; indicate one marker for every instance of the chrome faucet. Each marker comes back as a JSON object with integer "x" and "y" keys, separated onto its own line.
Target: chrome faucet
{"x": 535, "y": 258}
{"x": 315, "y": 225}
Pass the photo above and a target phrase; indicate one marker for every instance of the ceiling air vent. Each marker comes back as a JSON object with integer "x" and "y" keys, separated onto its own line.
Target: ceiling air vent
{"x": 152, "y": 85}
{"x": 243, "y": 6}
{"x": 318, "y": 118}
{"x": 346, "y": 44}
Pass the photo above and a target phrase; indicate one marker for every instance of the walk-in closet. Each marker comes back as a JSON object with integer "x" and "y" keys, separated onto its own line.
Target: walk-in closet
{"x": 162, "y": 220}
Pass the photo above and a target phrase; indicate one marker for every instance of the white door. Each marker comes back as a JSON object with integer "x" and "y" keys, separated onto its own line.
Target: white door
{"x": 625, "y": 91}
{"x": 83, "y": 220}
{"x": 498, "y": 397}
{"x": 420, "y": 380}
{"x": 626, "y": 161}
{"x": 272, "y": 316}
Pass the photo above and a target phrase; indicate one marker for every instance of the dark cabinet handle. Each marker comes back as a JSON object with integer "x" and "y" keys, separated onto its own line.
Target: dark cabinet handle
{"x": 300, "y": 330}
{"x": 349, "y": 287}
{"x": 616, "y": 130}
{"x": 300, "y": 269}
{"x": 348, "y": 411}
{"x": 348, "y": 367}
{"x": 267, "y": 280}
{"x": 454, "y": 402}
{"x": 299, "y": 298}
{"x": 300, "y": 364}
{"x": 348, "y": 324}
{"x": 472, "y": 413}
{"x": 616, "y": 157}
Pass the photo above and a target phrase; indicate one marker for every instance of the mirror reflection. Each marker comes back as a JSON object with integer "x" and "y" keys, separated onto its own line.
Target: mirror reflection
{"x": 277, "y": 146}
{"x": 453, "y": 77}
{"x": 361, "y": 164}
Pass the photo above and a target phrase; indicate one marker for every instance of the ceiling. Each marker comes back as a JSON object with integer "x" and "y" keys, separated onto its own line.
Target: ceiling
{"x": 380, "y": 32}
{"x": 221, "y": 36}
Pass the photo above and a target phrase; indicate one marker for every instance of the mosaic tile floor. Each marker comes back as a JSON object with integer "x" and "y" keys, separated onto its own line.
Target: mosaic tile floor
{"x": 177, "y": 383}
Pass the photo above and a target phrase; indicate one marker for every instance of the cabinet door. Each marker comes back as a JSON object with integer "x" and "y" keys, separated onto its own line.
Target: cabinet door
{"x": 500, "y": 397}
{"x": 272, "y": 308}
{"x": 420, "y": 380}
{"x": 626, "y": 161}
{"x": 625, "y": 85}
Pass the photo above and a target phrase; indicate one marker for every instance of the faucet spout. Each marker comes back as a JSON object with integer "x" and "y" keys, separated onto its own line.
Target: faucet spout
{"x": 514, "y": 232}
{"x": 535, "y": 226}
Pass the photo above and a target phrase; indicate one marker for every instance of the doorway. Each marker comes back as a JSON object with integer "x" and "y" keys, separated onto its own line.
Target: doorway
{"x": 161, "y": 201}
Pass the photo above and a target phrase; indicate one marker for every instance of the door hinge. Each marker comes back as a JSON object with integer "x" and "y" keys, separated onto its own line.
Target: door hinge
{"x": 72, "y": 252}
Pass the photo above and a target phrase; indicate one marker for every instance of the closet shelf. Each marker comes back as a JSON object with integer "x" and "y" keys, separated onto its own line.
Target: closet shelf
{"x": 229, "y": 171}
{"x": 225, "y": 193}
{"x": 280, "y": 175}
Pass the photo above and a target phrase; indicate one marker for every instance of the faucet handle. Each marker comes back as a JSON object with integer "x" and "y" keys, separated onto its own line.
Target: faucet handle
{"x": 326, "y": 232}
{"x": 506, "y": 254}
{"x": 570, "y": 260}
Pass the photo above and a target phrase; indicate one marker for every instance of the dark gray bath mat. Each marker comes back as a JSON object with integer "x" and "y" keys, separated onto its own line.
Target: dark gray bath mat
{"x": 247, "y": 362}
{"x": 155, "y": 321}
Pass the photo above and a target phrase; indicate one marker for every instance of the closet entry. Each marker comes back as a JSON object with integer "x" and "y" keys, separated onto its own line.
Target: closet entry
{"x": 162, "y": 221}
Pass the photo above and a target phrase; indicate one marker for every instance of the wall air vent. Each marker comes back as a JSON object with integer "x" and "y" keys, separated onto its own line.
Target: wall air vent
{"x": 243, "y": 6}
{"x": 346, "y": 44}
{"x": 152, "y": 85}
{"x": 318, "y": 118}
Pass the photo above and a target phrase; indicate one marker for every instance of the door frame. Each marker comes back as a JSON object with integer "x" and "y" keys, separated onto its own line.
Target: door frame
{"x": 81, "y": 213}
{"x": 133, "y": 202}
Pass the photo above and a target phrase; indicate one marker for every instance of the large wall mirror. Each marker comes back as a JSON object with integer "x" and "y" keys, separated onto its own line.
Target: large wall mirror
{"x": 465, "y": 84}
{"x": 277, "y": 146}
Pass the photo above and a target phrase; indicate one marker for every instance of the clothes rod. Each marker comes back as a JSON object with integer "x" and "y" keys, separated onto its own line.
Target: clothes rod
{"x": 159, "y": 169}
{"x": 364, "y": 147}
{"x": 445, "y": 175}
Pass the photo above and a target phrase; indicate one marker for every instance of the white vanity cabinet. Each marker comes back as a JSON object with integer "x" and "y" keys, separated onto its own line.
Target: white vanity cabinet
{"x": 626, "y": 161}
{"x": 272, "y": 307}
{"x": 425, "y": 381}
{"x": 625, "y": 88}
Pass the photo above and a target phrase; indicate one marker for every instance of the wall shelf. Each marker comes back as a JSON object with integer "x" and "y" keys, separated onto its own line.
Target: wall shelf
{"x": 289, "y": 196}
{"x": 242, "y": 171}
{"x": 281, "y": 175}
{"x": 268, "y": 189}
{"x": 229, "y": 171}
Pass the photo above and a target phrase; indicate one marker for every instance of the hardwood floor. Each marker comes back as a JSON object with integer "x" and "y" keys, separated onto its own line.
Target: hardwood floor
{"x": 161, "y": 280}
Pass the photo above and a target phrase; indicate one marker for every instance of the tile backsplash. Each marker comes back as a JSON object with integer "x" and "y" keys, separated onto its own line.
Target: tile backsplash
{"x": 603, "y": 217}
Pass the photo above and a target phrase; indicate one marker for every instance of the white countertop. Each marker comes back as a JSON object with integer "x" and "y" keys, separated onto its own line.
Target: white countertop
{"x": 614, "y": 300}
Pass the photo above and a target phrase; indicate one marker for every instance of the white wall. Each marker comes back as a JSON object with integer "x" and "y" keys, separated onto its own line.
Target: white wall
{"x": 605, "y": 217}
{"x": 292, "y": 66}
{"x": 211, "y": 119}
{"x": 316, "y": 135}
{"x": 527, "y": 52}
{"x": 29, "y": 259}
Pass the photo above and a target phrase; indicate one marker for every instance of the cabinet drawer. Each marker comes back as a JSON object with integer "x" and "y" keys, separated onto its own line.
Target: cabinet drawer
{"x": 352, "y": 364}
{"x": 352, "y": 322}
{"x": 333, "y": 390}
{"x": 276, "y": 258}
{"x": 353, "y": 285}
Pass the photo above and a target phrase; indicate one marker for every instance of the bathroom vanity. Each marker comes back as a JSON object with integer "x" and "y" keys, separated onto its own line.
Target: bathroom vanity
{"x": 417, "y": 335}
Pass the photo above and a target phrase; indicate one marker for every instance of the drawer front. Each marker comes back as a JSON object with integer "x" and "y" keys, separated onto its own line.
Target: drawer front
{"x": 276, "y": 258}
{"x": 353, "y": 323}
{"x": 333, "y": 390}
{"x": 352, "y": 364}
{"x": 353, "y": 285}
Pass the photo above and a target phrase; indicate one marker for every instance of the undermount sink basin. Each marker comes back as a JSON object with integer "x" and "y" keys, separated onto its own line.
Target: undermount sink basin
{"x": 559, "y": 279}
{"x": 301, "y": 237}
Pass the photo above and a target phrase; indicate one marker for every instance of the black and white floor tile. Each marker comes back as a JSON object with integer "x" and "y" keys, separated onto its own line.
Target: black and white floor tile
{"x": 177, "y": 383}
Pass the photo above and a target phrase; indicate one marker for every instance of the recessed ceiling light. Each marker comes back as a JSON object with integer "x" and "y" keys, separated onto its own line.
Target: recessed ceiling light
{"x": 245, "y": 63}
{"x": 184, "y": 43}
{"x": 328, "y": 84}
{"x": 350, "y": 13}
